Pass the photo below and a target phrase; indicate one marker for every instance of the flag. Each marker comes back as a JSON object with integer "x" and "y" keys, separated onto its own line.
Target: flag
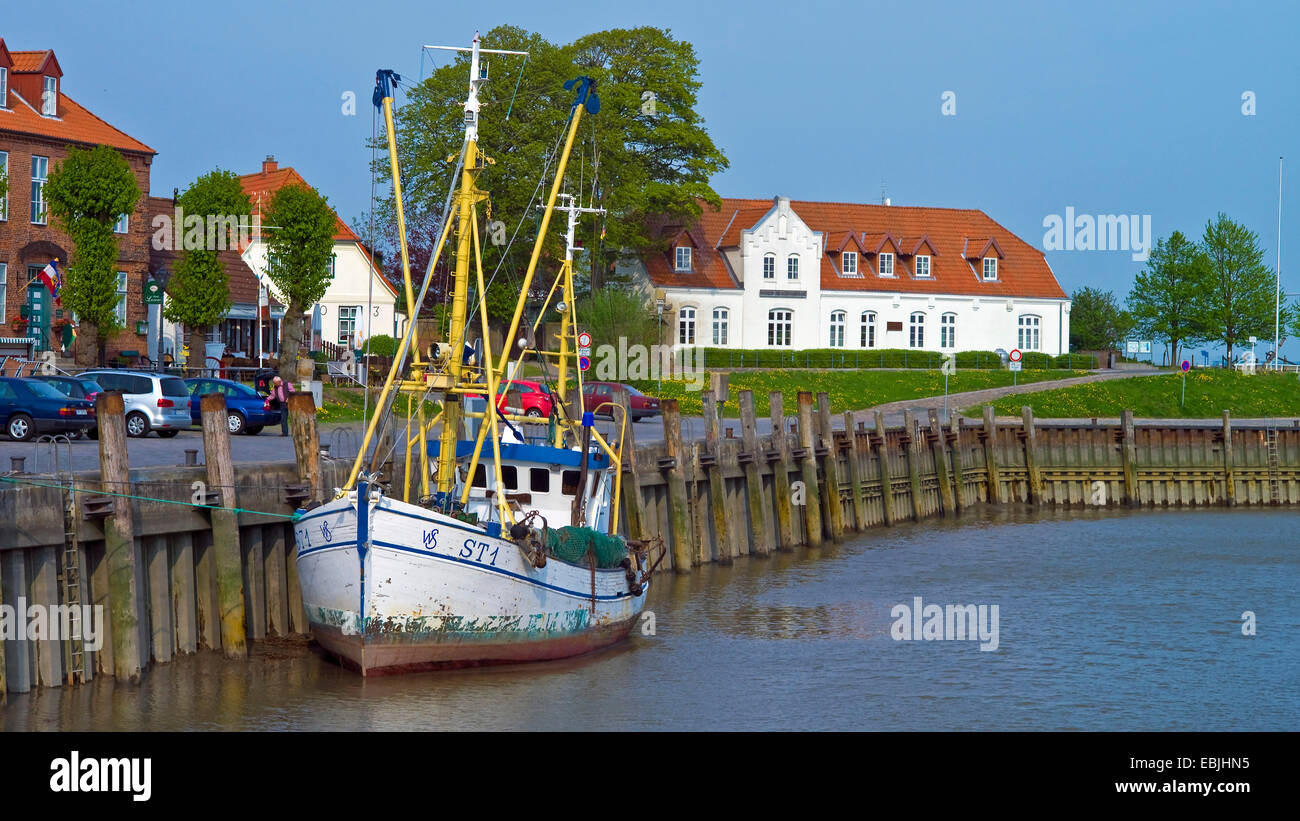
{"x": 52, "y": 279}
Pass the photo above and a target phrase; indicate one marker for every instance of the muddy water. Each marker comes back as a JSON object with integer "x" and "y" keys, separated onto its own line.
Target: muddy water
{"x": 1105, "y": 621}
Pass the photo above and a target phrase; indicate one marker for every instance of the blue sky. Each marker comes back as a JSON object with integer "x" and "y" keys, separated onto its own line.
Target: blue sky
{"x": 1106, "y": 107}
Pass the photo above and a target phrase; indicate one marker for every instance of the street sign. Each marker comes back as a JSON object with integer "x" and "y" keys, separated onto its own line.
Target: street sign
{"x": 1187, "y": 366}
{"x": 153, "y": 293}
{"x": 1015, "y": 366}
{"x": 1015, "y": 355}
{"x": 584, "y": 340}
{"x": 584, "y": 362}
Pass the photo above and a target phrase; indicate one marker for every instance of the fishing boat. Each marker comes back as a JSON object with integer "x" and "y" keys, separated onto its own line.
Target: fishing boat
{"x": 505, "y": 547}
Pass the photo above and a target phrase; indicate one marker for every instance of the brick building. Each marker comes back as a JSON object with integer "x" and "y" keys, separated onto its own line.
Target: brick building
{"x": 38, "y": 124}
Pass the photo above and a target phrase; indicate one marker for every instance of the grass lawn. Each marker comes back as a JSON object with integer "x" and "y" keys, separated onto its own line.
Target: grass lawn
{"x": 848, "y": 389}
{"x": 342, "y": 404}
{"x": 1209, "y": 394}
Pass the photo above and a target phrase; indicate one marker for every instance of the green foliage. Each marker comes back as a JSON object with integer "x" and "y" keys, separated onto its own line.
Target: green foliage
{"x": 299, "y": 226}
{"x": 876, "y": 358}
{"x": 1237, "y": 299}
{"x": 381, "y": 345}
{"x": 199, "y": 287}
{"x": 1096, "y": 320}
{"x": 611, "y": 313}
{"x": 1163, "y": 299}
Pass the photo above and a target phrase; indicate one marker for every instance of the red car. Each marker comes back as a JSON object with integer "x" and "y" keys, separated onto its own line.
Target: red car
{"x": 534, "y": 398}
{"x": 596, "y": 393}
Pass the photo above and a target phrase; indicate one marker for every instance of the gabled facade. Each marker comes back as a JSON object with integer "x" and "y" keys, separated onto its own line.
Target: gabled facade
{"x": 795, "y": 275}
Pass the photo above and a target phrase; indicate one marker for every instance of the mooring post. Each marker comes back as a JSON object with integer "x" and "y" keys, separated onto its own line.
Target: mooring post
{"x": 760, "y": 515}
{"x": 940, "y": 447}
{"x": 119, "y": 537}
{"x": 4, "y": 690}
{"x": 881, "y": 445}
{"x": 1229, "y": 483}
{"x": 1035, "y": 478}
{"x": 225, "y": 525}
{"x": 993, "y": 476}
{"x": 831, "y": 467}
{"x": 958, "y": 468}
{"x": 678, "y": 517}
{"x": 913, "y": 451}
{"x": 633, "y": 501}
{"x": 1129, "y": 453}
{"x": 781, "y": 468}
{"x": 306, "y": 451}
{"x": 717, "y": 494}
{"x": 855, "y": 473}
{"x": 812, "y": 495}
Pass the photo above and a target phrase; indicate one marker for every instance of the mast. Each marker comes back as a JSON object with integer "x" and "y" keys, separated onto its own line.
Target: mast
{"x": 569, "y": 316}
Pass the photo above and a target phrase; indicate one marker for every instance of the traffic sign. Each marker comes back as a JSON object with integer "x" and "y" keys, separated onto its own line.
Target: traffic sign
{"x": 1187, "y": 366}
{"x": 1014, "y": 356}
{"x": 1015, "y": 366}
{"x": 584, "y": 340}
{"x": 584, "y": 362}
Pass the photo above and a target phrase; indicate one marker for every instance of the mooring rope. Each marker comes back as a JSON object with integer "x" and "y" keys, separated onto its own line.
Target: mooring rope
{"x": 73, "y": 487}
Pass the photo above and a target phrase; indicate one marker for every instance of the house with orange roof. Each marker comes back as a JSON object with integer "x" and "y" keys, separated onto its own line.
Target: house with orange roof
{"x": 359, "y": 302}
{"x": 39, "y": 122}
{"x": 791, "y": 274}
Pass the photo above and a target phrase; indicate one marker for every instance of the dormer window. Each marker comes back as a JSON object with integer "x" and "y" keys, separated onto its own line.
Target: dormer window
{"x": 683, "y": 258}
{"x": 50, "y": 97}
{"x": 990, "y": 268}
{"x": 850, "y": 263}
{"x": 4, "y": 87}
{"x": 886, "y": 264}
{"x": 922, "y": 265}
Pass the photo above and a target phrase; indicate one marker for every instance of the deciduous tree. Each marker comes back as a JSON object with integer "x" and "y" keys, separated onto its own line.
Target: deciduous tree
{"x": 299, "y": 225}
{"x": 1096, "y": 320}
{"x": 1238, "y": 298}
{"x": 1163, "y": 299}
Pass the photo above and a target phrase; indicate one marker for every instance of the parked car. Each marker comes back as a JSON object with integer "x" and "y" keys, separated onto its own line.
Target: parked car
{"x": 534, "y": 398}
{"x": 28, "y": 408}
{"x": 154, "y": 402}
{"x": 75, "y": 386}
{"x": 595, "y": 394}
{"x": 244, "y": 411}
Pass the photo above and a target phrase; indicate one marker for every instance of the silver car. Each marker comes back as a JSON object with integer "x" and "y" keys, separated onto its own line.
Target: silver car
{"x": 153, "y": 401}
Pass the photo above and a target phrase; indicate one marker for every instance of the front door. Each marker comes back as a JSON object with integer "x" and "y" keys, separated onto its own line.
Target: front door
{"x": 38, "y": 309}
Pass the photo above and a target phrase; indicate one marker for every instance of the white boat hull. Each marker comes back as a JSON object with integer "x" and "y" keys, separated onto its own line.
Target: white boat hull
{"x": 395, "y": 588}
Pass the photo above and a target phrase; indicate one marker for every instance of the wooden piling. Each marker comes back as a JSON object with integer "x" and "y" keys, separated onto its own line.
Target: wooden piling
{"x": 4, "y": 691}
{"x": 1129, "y": 455}
{"x": 913, "y": 453}
{"x": 306, "y": 450}
{"x": 277, "y": 598}
{"x": 1229, "y": 483}
{"x": 760, "y": 514}
{"x": 781, "y": 467}
{"x": 994, "y": 476}
{"x": 119, "y": 537}
{"x": 227, "y": 552}
{"x": 854, "y": 454}
{"x": 830, "y": 467}
{"x": 162, "y": 633}
{"x": 958, "y": 466}
{"x": 880, "y": 445}
{"x": 254, "y": 583}
{"x": 812, "y": 496}
{"x": 675, "y": 474}
{"x": 205, "y": 591}
{"x": 19, "y": 678}
{"x": 939, "y": 444}
{"x": 1028, "y": 434}
{"x": 717, "y": 493}
{"x": 184, "y": 602}
{"x": 633, "y": 502}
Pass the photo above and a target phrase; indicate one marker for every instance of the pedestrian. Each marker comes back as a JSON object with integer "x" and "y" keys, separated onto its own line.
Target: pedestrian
{"x": 279, "y": 400}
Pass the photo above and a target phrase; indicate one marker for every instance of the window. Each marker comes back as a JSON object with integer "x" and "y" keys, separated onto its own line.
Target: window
{"x": 348, "y": 323}
{"x": 769, "y": 266}
{"x": 719, "y": 326}
{"x": 4, "y": 87}
{"x": 40, "y": 170}
{"x": 539, "y": 480}
{"x": 480, "y": 476}
{"x": 120, "y": 227}
{"x": 837, "y": 329}
{"x": 990, "y": 267}
{"x": 683, "y": 257}
{"x": 922, "y": 265}
{"x": 779, "y": 323}
{"x": 792, "y": 267}
{"x": 1028, "y": 336}
{"x": 4, "y": 278}
{"x": 916, "y": 330}
{"x": 333, "y": 261}
{"x": 50, "y": 99}
{"x": 121, "y": 298}
{"x": 4, "y": 175}
{"x": 686, "y": 326}
{"x": 868, "y": 329}
{"x": 569, "y": 482}
{"x": 886, "y": 265}
{"x": 510, "y": 477}
{"x": 850, "y": 264}
{"x": 948, "y": 331}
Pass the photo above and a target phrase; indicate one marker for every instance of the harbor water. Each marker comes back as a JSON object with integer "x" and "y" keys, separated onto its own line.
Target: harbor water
{"x": 1105, "y": 620}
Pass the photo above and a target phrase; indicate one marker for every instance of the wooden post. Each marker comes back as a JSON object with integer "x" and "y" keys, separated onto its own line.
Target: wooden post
{"x": 994, "y": 477}
{"x": 1229, "y": 483}
{"x": 1129, "y": 453}
{"x": 633, "y": 502}
{"x": 855, "y": 474}
{"x": 781, "y": 472}
{"x": 812, "y": 495}
{"x": 306, "y": 450}
{"x": 958, "y": 468}
{"x": 882, "y": 461}
{"x": 225, "y": 526}
{"x": 760, "y": 514}
{"x": 119, "y": 537}
{"x": 717, "y": 493}
{"x": 184, "y": 601}
{"x": 940, "y": 447}
{"x": 4, "y": 691}
{"x": 678, "y": 517}
{"x": 254, "y": 583}
{"x": 913, "y": 466}
{"x": 831, "y": 467}
{"x": 19, "y": 673}
{"x": 277, "y": 610}
{"x": 162, "y": 631}
{"x": 1035, "y": 478}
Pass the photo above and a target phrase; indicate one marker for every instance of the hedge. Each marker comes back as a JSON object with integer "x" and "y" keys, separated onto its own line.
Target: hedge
{"x": 880, "y": 358}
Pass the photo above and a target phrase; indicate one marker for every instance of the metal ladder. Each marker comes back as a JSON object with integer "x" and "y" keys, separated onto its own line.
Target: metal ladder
{"x": 74, "y": 648}
{"x": 1274, "y": 483}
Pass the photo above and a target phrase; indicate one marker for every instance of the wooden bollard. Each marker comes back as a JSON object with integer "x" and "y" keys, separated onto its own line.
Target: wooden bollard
{"x": 940, "y": 448}
{"x": 1035, "y": 477}
{"x": 781, "y": 467}
{"x": 812, "y": 495}
{"x": 119, "y": 537}
{"x": 994, "y": 476}
{"x": 760, "y": 514}
{"x": 958, "y": 466}
{"x": 306, "y": 451}
{"x": 855, "y": 473}
{"x": 717, "y": 493}
{"x": 913, "y": 452}
{"x": 882, "y": 461}
{"x": 225, "y": 526}
{"x": 633, "y": 502}
{"x": 678, "y": 512}
{"x": 830, "y": 467}
{"x": 1229, "y": 483}
{"x": 1129, "y": 453}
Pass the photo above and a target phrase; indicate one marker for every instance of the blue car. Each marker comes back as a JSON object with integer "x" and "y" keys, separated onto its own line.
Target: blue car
{"x": 28, "y": 407}
{"x": 244, "y": 410}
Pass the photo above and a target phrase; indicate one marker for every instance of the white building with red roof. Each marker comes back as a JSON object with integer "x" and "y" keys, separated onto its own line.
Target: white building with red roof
{"x": 790, "y": 274}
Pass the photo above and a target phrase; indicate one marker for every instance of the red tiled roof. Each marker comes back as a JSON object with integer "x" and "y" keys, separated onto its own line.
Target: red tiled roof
{"x": 75, "y": 124}
{"x": 260, "y": 187}
{"x": 32, "y": 61}
{"x": 1022, "y": 271}
{"x": 711, "y": 270}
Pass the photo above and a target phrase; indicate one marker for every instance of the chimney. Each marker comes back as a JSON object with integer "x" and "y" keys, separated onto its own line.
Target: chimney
{"x": 269, "y": 164}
